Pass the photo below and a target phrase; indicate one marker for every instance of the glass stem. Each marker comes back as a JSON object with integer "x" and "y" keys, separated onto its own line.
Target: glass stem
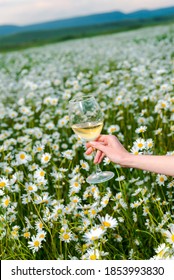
{"x": 98, "y": 169}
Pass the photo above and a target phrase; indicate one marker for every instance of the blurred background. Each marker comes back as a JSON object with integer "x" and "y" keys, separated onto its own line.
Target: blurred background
{"x": 36, "y": 22}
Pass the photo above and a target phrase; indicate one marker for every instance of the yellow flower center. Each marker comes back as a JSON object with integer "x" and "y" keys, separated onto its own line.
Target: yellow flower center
{"x": 2, "y": 184}
{"x": 6, "y": 202}
{"x": 42, "y": 173}
{"x": 22, "y": 156}
{"x": 30, "y": 188}
{"x": 46, "y": 158}
{"x": 106, "y": 224}
{"x": 39, "y": 149}
{"x": 94, "y": 237}
{"x": 36, "y": 243}
{"x": 14, "y": 233}
{"x": 66, "y": 236}
{"x": 140, "y": 145}
{"x": 93, "y": 257}
{"x": 93, "y": 212}
{"x": 172, "y": 237}
{"x": 26, "y": 234}
{"x": 161, "y": 253}
{"x": 76, "y": 184}
{"x": 161, "y": 179}
{"x": 41, "y": 236}
{"x": 136, "y": 204}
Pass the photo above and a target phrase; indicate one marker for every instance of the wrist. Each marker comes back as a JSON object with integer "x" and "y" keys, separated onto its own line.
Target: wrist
{"x": 128, "y": 160}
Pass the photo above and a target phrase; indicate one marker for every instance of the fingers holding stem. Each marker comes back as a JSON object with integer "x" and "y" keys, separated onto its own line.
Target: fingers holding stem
{"x": 99, "y": 155}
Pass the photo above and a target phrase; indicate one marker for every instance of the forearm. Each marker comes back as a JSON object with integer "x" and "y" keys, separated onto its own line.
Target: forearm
{"x": 156, "y": 164}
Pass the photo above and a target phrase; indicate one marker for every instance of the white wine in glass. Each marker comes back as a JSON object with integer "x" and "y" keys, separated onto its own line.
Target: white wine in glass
{"x": 88, "y": 131}
{"x": 86, "y": 119}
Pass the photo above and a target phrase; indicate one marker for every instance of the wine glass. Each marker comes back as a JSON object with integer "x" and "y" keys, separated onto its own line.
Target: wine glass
{"x": 86, "y": 119}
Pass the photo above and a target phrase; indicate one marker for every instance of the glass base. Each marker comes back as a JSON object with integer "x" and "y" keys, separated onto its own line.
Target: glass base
{"x": 100, "y": 177}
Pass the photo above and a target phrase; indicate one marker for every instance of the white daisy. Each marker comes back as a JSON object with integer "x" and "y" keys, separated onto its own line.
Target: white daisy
{"x": 45, "y": 158}
{"x": 3, "y": 182}
{"x": 22, "y": 158}
{"x": 94, "y": 234}
{"x": 35, "y": 244}
{"x": 84, "y": 165}
{"x": 160, "y": 179}
{"x": 108, "y": 221}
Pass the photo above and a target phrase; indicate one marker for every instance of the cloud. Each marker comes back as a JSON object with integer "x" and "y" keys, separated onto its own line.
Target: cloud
{"x": 32, "y": 11}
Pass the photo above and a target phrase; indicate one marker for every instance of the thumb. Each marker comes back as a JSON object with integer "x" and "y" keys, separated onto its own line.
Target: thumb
{"x": 98, "y": 146}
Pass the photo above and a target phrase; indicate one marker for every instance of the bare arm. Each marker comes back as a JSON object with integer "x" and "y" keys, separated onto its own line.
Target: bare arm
{"x": 108, "y": 145}
{"x": 156, "y": 164}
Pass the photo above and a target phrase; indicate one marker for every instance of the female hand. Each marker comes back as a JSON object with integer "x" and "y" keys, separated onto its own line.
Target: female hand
{"x": 107, "y": 145}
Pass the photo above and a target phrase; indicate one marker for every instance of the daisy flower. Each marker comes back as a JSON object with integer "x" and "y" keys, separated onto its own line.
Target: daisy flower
{"x": 68, "y": 154}
{"x": 149, "y": 143}
{"x": 55, "y": 147}
{"x": 39, "y": 225}
{"x": 105, "y": 200}
{"x": 161, "y": 179}
{"x": 41, "y": 234}
{"x": 26, "y": 234}
{"x": 108, "y": 221}
{"x": 8, "y": 169}
{"x": 113, "y": 128}
{"x": 121, "y": 178}
{"x": 38, "y": 148}
{"x": 5, "y": 201}
{"x": 106, "y": 161}
{"x": 75, "y": 186}
{"x": 92, "y": 212}
{"x": 30, "y": 187}
{"x": 45, "y": 158}
{"x": 66, "y": 236}
{"x": 39, "y": 175}
{"x": 50, "y": 126}
{"x": 140, "y": 144}
{"x": 3, "y": 182}
{"x": 161, "y": 251}
{"x": 158, "y": 131}
{"x": 84, "y": 165}
{"x": 141, "y": 129}
{"x": 35, "y": 244}
{"x": 169, "y": 234}
{"x": 91, "y": 254}
{"x": 75, "y": 199}
{"x": 136, "y": 204}
{"x": 33, "y": 167}
{"x": 94, "y": 234}
{"x": 22, "y": 158}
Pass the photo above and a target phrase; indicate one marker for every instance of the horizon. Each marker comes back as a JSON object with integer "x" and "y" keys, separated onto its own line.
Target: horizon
{"x": 21, "y": 13}
{"x": 79, "y": 16}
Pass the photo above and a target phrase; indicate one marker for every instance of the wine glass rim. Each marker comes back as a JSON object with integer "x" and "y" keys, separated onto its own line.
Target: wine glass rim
{"x": 80, "y": 98}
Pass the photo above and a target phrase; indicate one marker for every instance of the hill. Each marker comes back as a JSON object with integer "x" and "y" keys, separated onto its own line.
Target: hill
{"x": 21, "y": 36}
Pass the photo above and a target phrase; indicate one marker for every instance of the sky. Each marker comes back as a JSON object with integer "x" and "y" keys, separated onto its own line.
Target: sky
{"x": 24, "y": 12}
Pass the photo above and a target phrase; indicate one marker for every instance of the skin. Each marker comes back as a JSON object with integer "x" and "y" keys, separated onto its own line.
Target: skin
{"x": 110, "y": 146}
